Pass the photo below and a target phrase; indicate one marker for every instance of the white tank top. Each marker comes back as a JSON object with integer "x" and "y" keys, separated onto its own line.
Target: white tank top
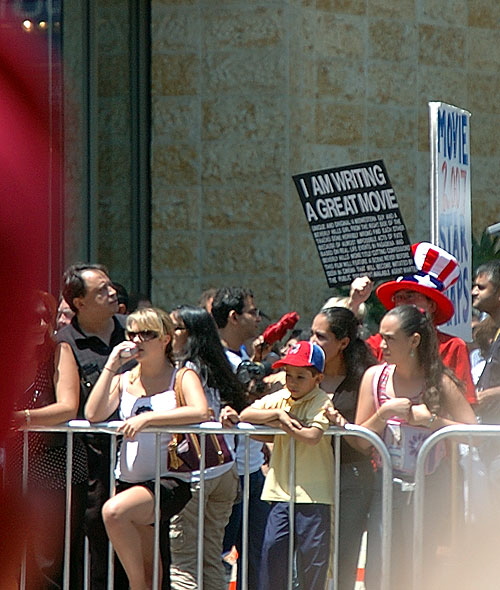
{"x": 137, "y": 458}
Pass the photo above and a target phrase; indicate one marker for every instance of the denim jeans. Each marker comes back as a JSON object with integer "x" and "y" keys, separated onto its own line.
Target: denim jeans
{"x": 312, "y": 546}
{"x": 258, "y": 511}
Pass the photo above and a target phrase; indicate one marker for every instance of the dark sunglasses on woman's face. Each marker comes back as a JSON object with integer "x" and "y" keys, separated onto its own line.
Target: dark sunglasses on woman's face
{"x": 142, "y": 335}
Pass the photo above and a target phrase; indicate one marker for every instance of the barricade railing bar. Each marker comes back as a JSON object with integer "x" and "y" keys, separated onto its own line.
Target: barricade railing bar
{"x": 245, "y": 431}
{"x": 470, "y": 435}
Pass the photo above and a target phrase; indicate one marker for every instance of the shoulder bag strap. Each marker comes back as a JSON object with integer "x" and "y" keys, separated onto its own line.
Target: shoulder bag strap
{"x": 179, "y": 394}
{"x": 377, "y": 378}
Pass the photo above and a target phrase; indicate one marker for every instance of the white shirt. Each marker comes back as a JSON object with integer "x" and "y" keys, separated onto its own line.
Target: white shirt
{"x": 137, "y": 458}
{"x": 256, "y": 459}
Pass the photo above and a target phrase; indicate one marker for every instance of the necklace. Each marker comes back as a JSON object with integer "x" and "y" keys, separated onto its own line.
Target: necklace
{"x": 40, "y": 383}
{"x": 36, "y": 392}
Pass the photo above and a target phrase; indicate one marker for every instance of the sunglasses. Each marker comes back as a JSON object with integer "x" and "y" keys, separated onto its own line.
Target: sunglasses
{"x": 37, "y": 319}
{"x": 406, "y": 296}
{"x": 142, "y": 335}
{"x": 253, "y": 312}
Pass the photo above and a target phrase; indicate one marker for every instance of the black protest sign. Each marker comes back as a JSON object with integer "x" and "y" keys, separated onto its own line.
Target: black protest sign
{"x": 356, "y": 223}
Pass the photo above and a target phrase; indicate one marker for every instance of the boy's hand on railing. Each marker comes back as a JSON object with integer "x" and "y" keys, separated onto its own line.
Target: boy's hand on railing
{"x": 333, "y": 415}
{"x": 288, "y": 422}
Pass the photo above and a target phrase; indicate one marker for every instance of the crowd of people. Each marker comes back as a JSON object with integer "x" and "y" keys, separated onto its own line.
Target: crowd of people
{"x": 96, "y": 358}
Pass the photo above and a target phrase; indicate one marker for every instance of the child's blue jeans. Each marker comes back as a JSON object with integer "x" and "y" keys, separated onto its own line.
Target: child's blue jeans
{"x": 312, "y": 546}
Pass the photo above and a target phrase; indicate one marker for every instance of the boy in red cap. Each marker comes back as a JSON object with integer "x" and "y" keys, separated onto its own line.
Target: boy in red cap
{"x": 299, "y": 411}
{"x": 437, "y": 271}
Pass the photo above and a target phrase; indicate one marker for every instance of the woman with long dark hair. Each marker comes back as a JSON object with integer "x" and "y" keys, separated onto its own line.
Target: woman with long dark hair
{"x": 335, "y": 329}
{"x": 197, "y": 345}
{"x": 404, "y": 401}
{"x": 47, "y": 400}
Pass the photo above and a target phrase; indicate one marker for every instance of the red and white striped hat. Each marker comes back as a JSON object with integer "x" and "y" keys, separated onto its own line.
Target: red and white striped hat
{"x": 437, "y": 271}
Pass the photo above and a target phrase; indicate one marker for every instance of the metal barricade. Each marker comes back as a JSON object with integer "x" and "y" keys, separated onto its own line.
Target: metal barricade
{"x": 244, "y": 431}
{"x": 469, "y": 435}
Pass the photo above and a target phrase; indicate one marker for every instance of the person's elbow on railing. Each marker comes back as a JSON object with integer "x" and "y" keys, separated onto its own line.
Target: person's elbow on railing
{"x": 66, "y": 393}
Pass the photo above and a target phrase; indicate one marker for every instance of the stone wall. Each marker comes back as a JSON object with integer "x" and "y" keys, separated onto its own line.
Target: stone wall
{"x": 247, "y": 93}
{"x": 113, "y": 125}
{"x": 98, "y": 136}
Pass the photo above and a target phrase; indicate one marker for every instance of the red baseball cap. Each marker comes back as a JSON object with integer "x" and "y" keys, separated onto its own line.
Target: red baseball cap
{"x": 303, "y": 354}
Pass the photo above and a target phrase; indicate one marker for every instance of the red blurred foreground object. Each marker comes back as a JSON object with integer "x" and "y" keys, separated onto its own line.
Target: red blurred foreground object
{"x": 276, "y": 331}
{"x": 25, "y": 189}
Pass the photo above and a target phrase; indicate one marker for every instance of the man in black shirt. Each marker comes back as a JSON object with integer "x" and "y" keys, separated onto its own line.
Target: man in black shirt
{"x": 94, "y": 331}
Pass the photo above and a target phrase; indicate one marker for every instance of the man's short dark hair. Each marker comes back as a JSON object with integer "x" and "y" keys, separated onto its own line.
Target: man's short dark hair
{"x": 492, "y": 270}
{"x": 225, "y": 300}
{"x": 73, "y": 283}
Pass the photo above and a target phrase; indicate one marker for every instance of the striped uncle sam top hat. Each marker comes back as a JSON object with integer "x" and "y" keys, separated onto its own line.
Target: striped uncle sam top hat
{"x": 437, "y": 271}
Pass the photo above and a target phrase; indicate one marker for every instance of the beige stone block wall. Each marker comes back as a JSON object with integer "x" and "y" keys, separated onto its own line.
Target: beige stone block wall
{"x": 73, "y": 125}
{"x": 114, "y": 151}
{"x": 247, "y": 93}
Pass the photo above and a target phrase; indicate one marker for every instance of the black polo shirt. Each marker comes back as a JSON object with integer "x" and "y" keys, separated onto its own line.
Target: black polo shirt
{"x": 91, "y": 353}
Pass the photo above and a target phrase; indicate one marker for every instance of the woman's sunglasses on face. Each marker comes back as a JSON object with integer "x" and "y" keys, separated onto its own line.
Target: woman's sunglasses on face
{"x": 141, "y": 335}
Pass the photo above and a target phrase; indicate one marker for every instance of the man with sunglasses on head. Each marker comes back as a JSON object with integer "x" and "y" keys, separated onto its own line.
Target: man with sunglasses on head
{"x": 94, "y": 331}
{"x": 238, "y": 319}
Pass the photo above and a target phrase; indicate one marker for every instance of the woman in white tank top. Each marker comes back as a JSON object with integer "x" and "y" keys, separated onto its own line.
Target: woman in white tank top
{"x": 146, "y": 397}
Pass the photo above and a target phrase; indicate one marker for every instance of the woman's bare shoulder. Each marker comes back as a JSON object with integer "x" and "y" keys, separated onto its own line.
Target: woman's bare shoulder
{"x": 373, "y": 370}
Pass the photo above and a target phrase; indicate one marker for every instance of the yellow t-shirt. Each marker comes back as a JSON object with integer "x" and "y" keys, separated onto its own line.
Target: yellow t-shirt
{"x": 314, "y": 463}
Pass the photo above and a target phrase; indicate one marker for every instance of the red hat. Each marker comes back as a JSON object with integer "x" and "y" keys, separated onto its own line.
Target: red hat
{"x": 437, "y": 271}
{"x": 303, "y": 354}
{"x": 275, "y": 332}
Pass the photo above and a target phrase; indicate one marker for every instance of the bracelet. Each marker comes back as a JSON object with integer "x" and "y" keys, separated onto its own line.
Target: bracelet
{"x": 431, "y": 419}
{"x": 27, "y": 417}
{"x": 110, "y": 370}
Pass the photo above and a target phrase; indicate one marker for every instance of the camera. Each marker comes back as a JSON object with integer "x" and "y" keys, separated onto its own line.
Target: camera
{"x": 251, "y": 375}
